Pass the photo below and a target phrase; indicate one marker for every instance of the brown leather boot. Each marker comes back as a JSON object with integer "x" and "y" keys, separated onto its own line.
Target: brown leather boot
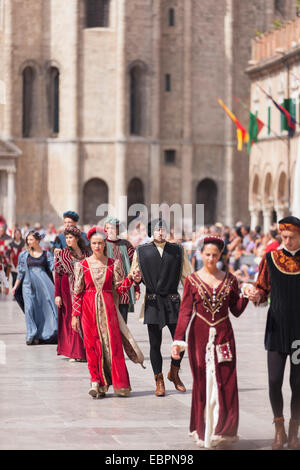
{"x": 160, "y": 385}
{"x": 280, "y": 435}
{"x": 293, "y": 441}
{"x": 174, "y": 377}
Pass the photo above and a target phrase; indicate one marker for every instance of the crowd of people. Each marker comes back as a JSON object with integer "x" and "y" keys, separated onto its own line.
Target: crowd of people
{"x": 76, "y": 286}
{"x": 244, "y": 248}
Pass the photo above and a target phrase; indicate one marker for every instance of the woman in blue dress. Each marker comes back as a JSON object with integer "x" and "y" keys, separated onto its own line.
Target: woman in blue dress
{"x": 34, "y": 291}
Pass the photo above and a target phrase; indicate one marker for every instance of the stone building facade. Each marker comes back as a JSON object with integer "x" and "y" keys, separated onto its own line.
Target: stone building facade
{"x": 106, "y": 98}
{"x": 274, "y": 170}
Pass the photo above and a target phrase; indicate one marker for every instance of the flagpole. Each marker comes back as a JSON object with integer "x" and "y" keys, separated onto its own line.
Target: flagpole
{"x": 288, "y": 140}
{"x": 289, "y": 144}
{"x": 248, "y": 109}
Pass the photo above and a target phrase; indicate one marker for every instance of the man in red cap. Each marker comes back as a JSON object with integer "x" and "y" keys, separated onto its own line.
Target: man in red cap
{"x": 279, "y": 277}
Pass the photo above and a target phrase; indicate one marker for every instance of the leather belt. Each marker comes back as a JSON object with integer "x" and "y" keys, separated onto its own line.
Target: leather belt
{"x": 172, "y": 297}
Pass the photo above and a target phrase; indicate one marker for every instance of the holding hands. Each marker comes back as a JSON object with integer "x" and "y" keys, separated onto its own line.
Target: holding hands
{"x": 175, "y": 352}
{"x": 251, "y": 292}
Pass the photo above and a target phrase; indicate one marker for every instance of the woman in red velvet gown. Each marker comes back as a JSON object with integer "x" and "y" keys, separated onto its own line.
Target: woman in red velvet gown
{"x": 211, "y": 294}
{"x": 98, "y": 283}
{"x": 70, "y": 344}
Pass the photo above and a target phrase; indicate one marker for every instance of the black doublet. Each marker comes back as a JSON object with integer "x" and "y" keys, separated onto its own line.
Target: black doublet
{"x": 161, "y": 276}
{"x": 283, "y": 322}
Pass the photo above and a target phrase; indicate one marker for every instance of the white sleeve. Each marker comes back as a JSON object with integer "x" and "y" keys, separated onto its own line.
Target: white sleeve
{"x": 3, "y": 279}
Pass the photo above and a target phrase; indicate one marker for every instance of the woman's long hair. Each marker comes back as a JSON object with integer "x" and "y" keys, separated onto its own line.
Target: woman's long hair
{"x": 35, "y": 234}
{"x": 80, "y": 241}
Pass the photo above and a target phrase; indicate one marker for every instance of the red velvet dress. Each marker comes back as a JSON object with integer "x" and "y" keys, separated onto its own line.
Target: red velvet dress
{"x": 105, "y": 333}
{"x": 212, "y": 356}
{"x": 69, "y": 344}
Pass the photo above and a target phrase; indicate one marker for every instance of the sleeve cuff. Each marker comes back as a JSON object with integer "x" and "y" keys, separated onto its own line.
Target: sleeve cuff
{"x": 182, "y": 345}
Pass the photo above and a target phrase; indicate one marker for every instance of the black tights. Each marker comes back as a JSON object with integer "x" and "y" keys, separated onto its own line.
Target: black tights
{"x": 155, "y": 338}
{"x": 276, "y": 367}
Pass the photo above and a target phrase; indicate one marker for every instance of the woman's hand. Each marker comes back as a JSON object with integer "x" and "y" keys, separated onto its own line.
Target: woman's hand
{"x": 6, "y": 290}
{"x": 254, "y": 296}
{"x": 137, "y": 276}
{"x": 56, "y": 252}
{"x": 58, "y": 302}
{"x": 175, "y": 352}
{"x": 75, "y": 324}
{"x": 137, "y": 296}
{"x": 252, "y": 293}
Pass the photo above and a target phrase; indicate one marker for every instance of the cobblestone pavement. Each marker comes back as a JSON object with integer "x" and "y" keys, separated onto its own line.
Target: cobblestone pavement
{"x": 44, "y": 401}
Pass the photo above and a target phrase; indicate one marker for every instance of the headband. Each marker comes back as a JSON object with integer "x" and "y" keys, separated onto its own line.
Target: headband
{"x": 289, "y": 227}
{"x": 98, "y": 230}
{"x": 73, "y": 231}
{"x": 215, "y": 240}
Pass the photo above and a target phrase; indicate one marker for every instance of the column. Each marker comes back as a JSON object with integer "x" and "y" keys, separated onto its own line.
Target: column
{"x": 267, "y": 213}
{"x": 120, "y": 147}
{"x": 254, "y": 218}
{"x": 228, "y": 170}
{"x": 155, "y": 148}
{"x": 11, "y": 196}
{"x": 7, "y": 131}
{"x": 187, "y": 148}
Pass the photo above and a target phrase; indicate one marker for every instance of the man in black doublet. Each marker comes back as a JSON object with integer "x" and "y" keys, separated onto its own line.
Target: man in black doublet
{"x": 163, "y": 265}
{"x": 279, "y": 277}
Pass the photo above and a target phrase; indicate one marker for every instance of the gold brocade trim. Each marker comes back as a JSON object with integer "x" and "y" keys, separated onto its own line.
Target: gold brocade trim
{"x": 209, "y": 323}
{"x": 103, "y": 335}
{"x": 123, "y": 392}
{"x": 285, "y": 264}
{"x": 209, "y": 303}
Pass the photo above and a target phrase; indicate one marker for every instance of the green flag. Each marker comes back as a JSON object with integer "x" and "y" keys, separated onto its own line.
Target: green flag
{"x": 255, "y": 126}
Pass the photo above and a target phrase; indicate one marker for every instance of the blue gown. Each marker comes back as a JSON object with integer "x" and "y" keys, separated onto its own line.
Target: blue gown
{"x": 38, "y": 296}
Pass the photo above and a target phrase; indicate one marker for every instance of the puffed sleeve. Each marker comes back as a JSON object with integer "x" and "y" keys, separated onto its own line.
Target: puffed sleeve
{"x": 185, "y": 314}
{"x": 263, "y": 283}
{"x": 134, "y": 263}
{"x": 57, "y": 284}
{"x": 186, "y": 268}
{"x": 131, "y": 253}
{"x": 237, "y": 304}
{"x": 120, "y": 284}
{"x": 50, "y": 260}
{"x": 78, "y": 289}
{"x": 58, "y": 273}
{"x": 21, "y": 266}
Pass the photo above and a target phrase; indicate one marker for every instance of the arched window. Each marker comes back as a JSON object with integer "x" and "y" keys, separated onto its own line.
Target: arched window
{"x": 255, "y": 197}
{"x": 97, "y": 13}
{"x": 206, "y": 193}
{"x": 171, "y": 17}
{"x": 137, "y": 100}
{"x": 28, "y": 78}
{"x": 95, "y": 193}
{"x": 282, "y": 193}
{"x": 268, "y": 188}
{"x": 53, "y": 99}
{"x": 279, "y": 7}
{"x": 135, "y": 194}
